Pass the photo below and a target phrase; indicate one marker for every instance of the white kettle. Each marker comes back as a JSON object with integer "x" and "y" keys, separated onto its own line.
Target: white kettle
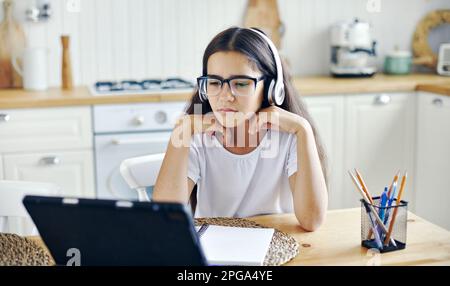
{"x": 34, "y": 68}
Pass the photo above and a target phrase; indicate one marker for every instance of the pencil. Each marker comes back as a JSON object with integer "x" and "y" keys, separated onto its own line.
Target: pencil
{"x": 392, "y": 185}
{"x": 379, "y": 221}
{"x": 399, "y": 197}
{"x": 366, "y": 191}
{"x": 363, "y": 185}
{"x": 369, "y": 197}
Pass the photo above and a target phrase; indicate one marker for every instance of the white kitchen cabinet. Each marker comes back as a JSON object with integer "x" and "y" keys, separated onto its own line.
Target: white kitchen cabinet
{"x": 433, "y": 159}
{"x": 379, "y": 141}
{"x": 49, "y": 145}
{"x": 327, "y": 112}
{"x": 41, "y": 129}
{"x": 70, "y": 170}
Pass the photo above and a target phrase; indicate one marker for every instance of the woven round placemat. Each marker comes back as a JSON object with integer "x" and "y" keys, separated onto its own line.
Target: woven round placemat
{"x": 283, "y": 247}
{"x": 20, "y": 251}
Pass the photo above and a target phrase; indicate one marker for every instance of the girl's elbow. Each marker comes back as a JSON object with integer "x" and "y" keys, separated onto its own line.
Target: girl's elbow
{"x": 312, "y": 223}
{"x": 310, "y": 226}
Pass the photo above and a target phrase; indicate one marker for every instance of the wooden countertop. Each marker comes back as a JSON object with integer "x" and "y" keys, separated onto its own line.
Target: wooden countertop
{"x": 443, "y": 89}
{"x": 337, "y": 242}
{"x": 80, "y": 95}
{"x": 18, "y": 98}
{"x": 378, "y": 83}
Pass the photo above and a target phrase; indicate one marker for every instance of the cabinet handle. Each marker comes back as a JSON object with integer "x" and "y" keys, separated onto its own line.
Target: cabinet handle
{"x": 4, "y": 117}
{"x": 139, "y": 120}
{"x": 382, "y": 99}
{"x": 52, "y": 160}
{"x": 438, "y": 102}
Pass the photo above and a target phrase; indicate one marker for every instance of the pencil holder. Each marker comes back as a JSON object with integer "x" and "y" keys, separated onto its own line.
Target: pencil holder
{"x": 372, "y": 234}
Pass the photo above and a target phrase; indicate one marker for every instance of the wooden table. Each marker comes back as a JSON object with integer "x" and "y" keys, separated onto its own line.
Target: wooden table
{"x": 337, "y": 242}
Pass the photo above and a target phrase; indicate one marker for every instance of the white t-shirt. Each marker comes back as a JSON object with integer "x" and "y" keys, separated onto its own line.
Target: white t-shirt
{"x": 231, "y": 185}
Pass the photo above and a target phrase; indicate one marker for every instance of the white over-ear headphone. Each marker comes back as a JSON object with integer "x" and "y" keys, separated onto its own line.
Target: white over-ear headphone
{"x": 275, "y": 91}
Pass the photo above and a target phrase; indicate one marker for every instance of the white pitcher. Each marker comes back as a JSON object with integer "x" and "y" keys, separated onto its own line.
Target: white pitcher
{"x": 34, "y": 71}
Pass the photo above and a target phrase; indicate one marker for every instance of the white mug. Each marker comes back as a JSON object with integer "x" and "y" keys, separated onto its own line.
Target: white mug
{"x": 34, "y": 71}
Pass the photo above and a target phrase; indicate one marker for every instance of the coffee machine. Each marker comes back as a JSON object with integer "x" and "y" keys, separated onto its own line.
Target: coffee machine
{"x": 352, "y": 49}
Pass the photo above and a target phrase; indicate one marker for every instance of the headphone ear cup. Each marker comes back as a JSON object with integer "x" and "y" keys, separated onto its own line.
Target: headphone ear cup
{"x": 270, "y": 92}
{"x": 278, "y": 95}
{"x": 201, "y": 95}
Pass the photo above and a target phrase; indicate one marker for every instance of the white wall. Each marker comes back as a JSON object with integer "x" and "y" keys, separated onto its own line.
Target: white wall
{"x": 120, "y": 39}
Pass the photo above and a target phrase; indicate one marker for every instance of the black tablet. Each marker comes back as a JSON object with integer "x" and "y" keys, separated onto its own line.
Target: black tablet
{"x": 107, "y": 232}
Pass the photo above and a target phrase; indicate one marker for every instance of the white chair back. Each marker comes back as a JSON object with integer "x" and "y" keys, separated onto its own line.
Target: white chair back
{"x": 141, "y": 172}
{"x": 13, "y": 216}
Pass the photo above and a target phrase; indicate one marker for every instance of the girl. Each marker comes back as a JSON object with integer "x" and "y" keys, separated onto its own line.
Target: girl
{"x": 245, "y": 155}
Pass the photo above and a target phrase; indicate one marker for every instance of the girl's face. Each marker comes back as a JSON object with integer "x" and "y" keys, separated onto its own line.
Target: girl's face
{"x": 229, "y": 110}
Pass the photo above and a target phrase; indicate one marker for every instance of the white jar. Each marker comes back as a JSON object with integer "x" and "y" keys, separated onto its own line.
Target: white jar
{"x": 34, "y": 68}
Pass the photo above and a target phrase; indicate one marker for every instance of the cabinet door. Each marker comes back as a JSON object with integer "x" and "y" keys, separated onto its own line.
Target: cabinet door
{"x": 379, "y": 141}
{"x": 433, "y": 159}
{"x": 72, "y": 171}
{"x": 41, "y": 129}
{"x": 328, "y": 115}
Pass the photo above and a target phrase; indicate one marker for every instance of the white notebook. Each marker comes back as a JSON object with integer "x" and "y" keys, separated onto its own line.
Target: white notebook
{"x": 224, "y": 245}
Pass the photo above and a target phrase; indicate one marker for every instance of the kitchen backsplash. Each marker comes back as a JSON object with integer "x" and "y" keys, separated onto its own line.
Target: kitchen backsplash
{"x": 123, "y": 39}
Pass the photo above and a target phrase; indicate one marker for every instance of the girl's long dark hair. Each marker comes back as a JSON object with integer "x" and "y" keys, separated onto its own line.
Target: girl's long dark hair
{"x": 258, "y": 52}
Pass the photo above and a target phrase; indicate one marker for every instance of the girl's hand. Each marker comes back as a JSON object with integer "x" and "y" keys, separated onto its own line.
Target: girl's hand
{"x": 274, "y": 117}
{"x": 198, "y": 123}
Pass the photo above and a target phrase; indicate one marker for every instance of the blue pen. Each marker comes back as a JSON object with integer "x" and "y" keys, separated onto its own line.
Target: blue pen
{"x": 383, "y": 202}
{"x": 391, "y": 200}
{"x": 381, "y": 207}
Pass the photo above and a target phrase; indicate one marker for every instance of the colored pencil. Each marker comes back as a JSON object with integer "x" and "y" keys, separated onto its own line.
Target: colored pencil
{"x": 364, "y": 187}
{"x": 399, "y": 197}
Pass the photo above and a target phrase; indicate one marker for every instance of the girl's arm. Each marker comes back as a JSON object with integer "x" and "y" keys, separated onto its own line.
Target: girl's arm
{"x": 173, "y": 184}
{"x": 308, "y": 183}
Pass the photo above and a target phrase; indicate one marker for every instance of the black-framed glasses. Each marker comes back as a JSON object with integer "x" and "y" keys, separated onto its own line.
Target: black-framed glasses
{"x": 240, "y": 85}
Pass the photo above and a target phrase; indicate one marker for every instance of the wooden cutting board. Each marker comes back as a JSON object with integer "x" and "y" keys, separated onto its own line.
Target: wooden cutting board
{"x": 263, "y": 14}
{"x": 12, "y": 43}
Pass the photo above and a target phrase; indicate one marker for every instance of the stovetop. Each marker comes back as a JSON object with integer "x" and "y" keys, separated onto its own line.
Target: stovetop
{"x": 147, "y": 86}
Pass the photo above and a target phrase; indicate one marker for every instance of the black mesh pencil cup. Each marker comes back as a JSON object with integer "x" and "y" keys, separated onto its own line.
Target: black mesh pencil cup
{"x": 373, "y": 235}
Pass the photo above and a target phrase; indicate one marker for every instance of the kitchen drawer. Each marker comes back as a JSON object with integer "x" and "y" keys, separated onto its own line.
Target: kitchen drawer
{"x": 45, "y": 129}
{"x": 136, "y": 117}
{"x": 73, "y": 171}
